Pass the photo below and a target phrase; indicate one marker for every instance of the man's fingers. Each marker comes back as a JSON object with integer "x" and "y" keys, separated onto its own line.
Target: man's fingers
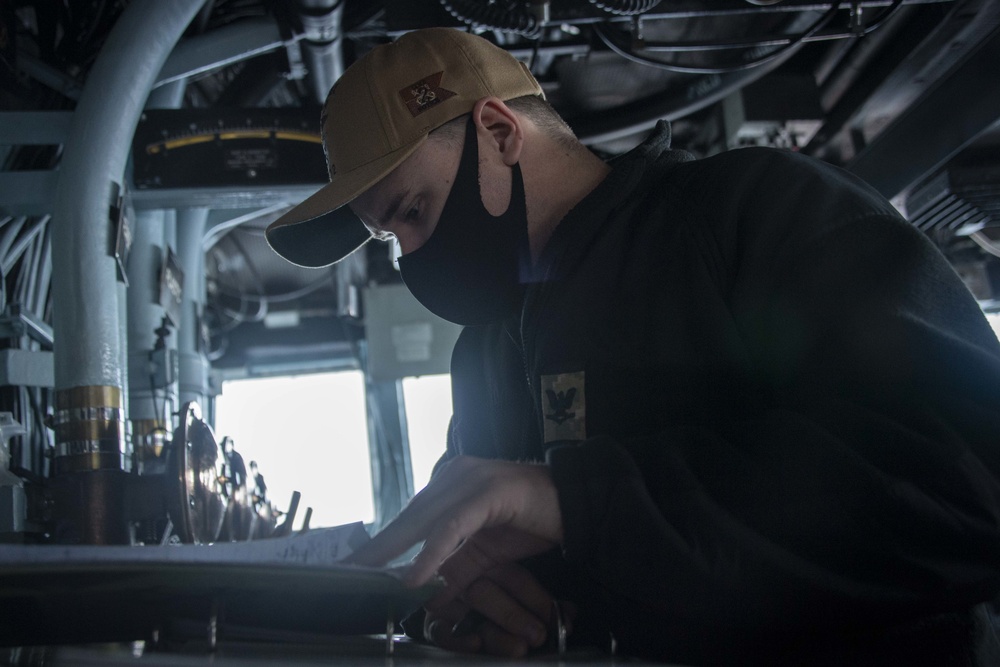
{"x": 445, "y": 537}
{"x": 496, "y": 641}
{"x": 523, "y": 587}
{"x": 439, "y": 631}
{"x": 465, "y": 565}
{"x": 440, "y": 624}
{"x": 491, "y": 548}
{"x": 486, "y": 597}
{"x": 413, "y": 523}
{"x": 487, "y": 638}
{"x": 451, "y": 491}
{"x": 469, "y": 495}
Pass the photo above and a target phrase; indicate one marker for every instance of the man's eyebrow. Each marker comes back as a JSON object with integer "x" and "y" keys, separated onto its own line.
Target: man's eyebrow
{"x": 391, "y": 208}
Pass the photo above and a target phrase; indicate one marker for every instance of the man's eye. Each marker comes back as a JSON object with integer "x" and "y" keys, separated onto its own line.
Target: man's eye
{"x": 413, "y": 213}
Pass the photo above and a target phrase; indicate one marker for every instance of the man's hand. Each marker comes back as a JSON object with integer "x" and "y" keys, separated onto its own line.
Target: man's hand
{"x": 506, "y": 612}
{"x": 467, "y": 495}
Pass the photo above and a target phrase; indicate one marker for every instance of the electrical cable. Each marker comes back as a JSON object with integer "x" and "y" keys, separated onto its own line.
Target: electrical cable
{"x": 241, "y": 317}
{"x": 23, "y": 242}
{"x": 214, "y": 235}
{"x": 279, "y": 298}
{"x": 257, "y": 279}
{"x": 224, "y": 326}
{"x": 219, "y": 352}
{"x": 20, "y": 283}
{"x": 34, "y": 263}
{"x": 883, "y": 16}
{"x": 236, "y": 318}
{"x": 44, "y": 284}
{"x": 10, "y": 232}
{"x": 794, "y": 42}
{"x": 986, "y": 243}
{"x": 376, "y": 17}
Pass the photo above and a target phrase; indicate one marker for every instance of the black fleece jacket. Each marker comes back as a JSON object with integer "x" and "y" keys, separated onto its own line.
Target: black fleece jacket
{"x": 770, "y": 408}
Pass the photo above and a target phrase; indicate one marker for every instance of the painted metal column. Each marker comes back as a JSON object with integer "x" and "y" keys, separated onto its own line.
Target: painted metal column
{"x": 193, "y": 371}
{"x": 388, "y": 444}
{"x": 152, "y": 348}
{"x": 89, "y": 419}
{"x": 146, "y": 405}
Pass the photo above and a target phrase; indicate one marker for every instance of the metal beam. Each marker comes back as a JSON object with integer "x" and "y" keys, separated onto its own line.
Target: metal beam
{"x": 17, "y": 322}
{"x": 30, "y": 193}
{"x": 939, "y": 125}
{"x": 34, "y": 128}
{"x": 50, "y": 76}
{"x": 389, "y": 448}
{"x": 242, "y": 196}
{"x": 221, "y": 47}
{"x": 27, "y": 368}
{"x": 27, "y": 192}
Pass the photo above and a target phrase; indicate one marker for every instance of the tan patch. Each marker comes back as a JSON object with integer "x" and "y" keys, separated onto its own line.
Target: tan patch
{"x": 425, "y": 94}
{"x": 564, "y": 407}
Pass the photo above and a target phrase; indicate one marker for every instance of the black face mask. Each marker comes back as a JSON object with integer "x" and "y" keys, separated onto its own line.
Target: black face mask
{"x": 469, "y": 270}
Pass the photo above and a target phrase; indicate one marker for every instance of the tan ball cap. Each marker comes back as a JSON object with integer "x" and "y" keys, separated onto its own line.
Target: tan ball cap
{"x": 377, "y": 114}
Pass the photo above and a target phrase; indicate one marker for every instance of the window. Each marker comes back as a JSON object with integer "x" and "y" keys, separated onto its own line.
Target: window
{"x": 307, "y": 433}
{"x": 994, "y": 320}
{"x": 428, "y": 410}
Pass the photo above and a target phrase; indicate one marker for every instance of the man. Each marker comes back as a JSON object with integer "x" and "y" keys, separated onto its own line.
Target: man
{"x": 724, "y": 411}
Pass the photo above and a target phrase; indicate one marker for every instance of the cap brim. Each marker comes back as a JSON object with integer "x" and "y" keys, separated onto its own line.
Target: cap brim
{"x": 321, "y": 230}
{"x": 320, "y": 241}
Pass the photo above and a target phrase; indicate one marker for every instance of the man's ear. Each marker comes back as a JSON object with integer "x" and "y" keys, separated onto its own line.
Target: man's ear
{"x": 503, "y": 126}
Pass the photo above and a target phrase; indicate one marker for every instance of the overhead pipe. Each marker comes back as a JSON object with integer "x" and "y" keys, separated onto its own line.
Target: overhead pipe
{"x": 322, "y": 49}
{"x": 89, "y": 357}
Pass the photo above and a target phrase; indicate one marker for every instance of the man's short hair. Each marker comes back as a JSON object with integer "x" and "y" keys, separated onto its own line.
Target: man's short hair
{"x": 532, "y": 107}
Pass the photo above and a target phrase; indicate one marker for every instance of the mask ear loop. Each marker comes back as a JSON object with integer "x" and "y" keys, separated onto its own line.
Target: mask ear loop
{"x": 469, "y": 164}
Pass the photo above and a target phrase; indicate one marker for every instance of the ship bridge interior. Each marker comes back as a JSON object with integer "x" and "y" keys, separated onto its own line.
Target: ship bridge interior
{"x": 146, "y": 145}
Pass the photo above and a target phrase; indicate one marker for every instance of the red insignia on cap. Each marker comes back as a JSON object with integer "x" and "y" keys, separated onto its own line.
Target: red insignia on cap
{"x": 424, "y": 94}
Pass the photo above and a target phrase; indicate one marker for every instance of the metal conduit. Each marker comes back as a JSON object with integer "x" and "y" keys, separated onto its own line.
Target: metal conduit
{"x": 84, "y": 309}
{"x": 89, "y": 350}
